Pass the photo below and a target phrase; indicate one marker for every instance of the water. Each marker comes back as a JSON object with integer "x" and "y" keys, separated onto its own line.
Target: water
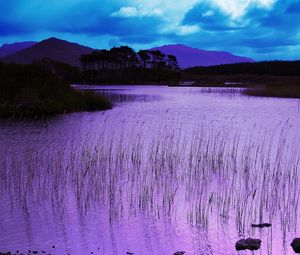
{"x": 167, "y": 169}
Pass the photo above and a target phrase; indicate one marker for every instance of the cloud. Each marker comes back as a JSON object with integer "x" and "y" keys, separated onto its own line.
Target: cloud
{"x": 238, "y": 8}
{"x": 261, "y": 27}
{"x": 187, "y": 29}
{"x": 255, "y": 27}
{"x": 208, "y": 13}
{"x": 131, "y": 11}
{"x": 211, "y": 18}
{"x": 125, "y": 12}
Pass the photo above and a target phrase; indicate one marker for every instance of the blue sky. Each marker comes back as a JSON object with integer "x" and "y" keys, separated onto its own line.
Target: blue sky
{"x": 261, "y": 29}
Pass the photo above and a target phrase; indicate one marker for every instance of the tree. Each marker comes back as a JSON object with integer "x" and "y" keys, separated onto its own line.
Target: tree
{"x": 157, "y": 57}
{"x": 172, "y": 62}
{"x": 128, "y": 56}
{"x": 144, "y": 56}
{"x": 124, "y": 64}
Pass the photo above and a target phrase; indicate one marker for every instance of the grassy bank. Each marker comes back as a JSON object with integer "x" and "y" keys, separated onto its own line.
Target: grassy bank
{"x": 268, "y": 78}
{"x": 274, "y": 91}
{"x": 257, "y": 85}
{"x": 275, "y": 86}
{"x": 29, "y": 90}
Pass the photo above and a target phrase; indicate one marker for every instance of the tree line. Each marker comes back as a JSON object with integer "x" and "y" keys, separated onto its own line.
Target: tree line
{"x": 123, "y": 64}
{"x": 276, "y": 68}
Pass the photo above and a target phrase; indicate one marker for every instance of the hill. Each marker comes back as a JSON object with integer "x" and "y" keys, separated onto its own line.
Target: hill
{"x": 8, "y": 49}
{"x": 190, "y": 57}
{"x": 52, "y": 48}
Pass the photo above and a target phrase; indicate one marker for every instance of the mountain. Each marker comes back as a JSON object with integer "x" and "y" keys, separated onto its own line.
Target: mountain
{"x": 190, "y": 57}
{"x": 52, "y": 48}
{"x": 67, "y": 52}
{"x": 8, "y": 49}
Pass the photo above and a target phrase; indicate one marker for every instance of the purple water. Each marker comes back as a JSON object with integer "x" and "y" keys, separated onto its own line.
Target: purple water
{"x": 167, "y": 169}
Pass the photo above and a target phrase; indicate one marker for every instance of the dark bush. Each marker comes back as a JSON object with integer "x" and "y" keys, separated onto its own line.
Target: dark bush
{"x": 33, "y": 89}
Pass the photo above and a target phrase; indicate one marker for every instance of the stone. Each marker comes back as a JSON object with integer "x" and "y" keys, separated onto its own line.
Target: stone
{"x": 179, "y": 253}
{"x": 248, "y": 244}
{"x": 296, "y": 245}
{"x": 241, "y": 245}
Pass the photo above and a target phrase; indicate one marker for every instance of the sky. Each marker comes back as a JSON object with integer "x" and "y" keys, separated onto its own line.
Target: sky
{"x": 261, "y": 29}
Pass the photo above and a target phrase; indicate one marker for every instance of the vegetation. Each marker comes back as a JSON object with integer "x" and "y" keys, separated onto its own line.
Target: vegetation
{"x": 269, "y": 79}
{"x": 68, "y": 73}
{"x": 221, "y": 173}
{"x": 39, "y": 88}
{"x": 123, "y": 65}
{"x": 274, "y": 91}
{"x": 273, "y": 68}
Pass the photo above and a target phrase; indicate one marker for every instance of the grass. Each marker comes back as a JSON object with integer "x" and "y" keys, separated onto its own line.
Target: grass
{"x": 274, "y": 91}
{"x": 211, "y": 170}
{"x": 256, "y": 85}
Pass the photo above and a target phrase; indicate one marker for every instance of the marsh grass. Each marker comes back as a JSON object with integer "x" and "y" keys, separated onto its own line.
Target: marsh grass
{"x": 278, "y": 90}
{"x": 207, "y": 172}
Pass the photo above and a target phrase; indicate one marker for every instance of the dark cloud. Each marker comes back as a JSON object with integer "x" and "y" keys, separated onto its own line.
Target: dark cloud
{"x": 88, "y": 18}
{"x": 258, "y": 31}
{"x": 210, "y": 17}
{"x": 141, "y": 39}
{"x": 117, "y": 26}
{"x": 294, "y": 7}
{"x": 284, "y": 15}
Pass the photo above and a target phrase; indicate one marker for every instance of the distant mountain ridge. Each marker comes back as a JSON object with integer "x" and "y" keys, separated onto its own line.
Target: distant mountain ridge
{"x": 70, "y": 53}
{"x": 191, "y": 57}
{"x": 11, "y": 48}
{"x": 52, "y": 48}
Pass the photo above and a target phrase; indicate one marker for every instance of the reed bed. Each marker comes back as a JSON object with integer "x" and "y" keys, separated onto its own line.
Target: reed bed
{"x": 224, "y": 92}
{"x": 208, "y": 172}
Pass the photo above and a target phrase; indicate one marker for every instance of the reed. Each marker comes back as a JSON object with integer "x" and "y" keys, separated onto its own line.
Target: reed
{"x": 208, "y": 172}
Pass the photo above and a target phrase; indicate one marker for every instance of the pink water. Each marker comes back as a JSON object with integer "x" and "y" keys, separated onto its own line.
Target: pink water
{"x": 132, "y": 180}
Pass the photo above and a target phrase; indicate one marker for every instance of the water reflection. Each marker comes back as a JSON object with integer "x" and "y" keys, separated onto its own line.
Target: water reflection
{"x": 117, "y": 94}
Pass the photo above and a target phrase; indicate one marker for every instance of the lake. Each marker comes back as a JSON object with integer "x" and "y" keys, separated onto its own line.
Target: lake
{"x": 166, "y": 170}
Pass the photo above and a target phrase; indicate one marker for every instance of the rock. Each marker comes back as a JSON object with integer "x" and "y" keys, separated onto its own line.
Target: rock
{"x": 241, "y": 245}
{"x": 261, "y": 225}
{"x": 179, "y": 253}
{"x": 296, "y": 245}
{"x": 254, "y": 244}
{"x": 248, "y": 244}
